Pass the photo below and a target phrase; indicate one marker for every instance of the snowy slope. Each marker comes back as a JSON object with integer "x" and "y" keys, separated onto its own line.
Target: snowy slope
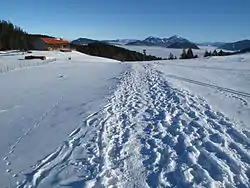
{"x": 40, "y": 105}
{"x": 223, "y": 81}
{"x": 13, "y": 60}
{"x": 81, "y": 124}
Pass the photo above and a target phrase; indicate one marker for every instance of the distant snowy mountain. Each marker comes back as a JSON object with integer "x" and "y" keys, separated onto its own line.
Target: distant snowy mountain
{"x": 171, "y": 42}
{"x": 215, "y": 44}
{"x": 120, "y": 41}
{"x": 176, "y": 39}
{"x": 236, "y": 46}
{"x": 83, "y": 41}
{"x": 154, "y": 40}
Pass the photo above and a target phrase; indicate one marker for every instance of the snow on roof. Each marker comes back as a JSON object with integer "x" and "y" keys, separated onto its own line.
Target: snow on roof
{"x": 55, "y": 41}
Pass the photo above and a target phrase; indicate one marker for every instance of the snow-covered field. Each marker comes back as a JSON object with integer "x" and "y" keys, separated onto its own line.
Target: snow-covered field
{"x": 12, "y": 60}
{"x": 223, "y": 81}
{"x": 95, "y": 122}
{"x": 164, "y": 52}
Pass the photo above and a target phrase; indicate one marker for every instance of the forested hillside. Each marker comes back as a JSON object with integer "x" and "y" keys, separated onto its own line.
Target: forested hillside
{"x": 13, "y": 37}
{"x": 113, "y": 52}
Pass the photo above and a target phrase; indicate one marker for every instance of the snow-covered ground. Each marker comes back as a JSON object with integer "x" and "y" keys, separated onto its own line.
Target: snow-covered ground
{"x": 94, "y": 122}
{"x": 40, "y": 105}
{"x": 164, "y": 52}
{"x": 223, "y": 81}
{"x": 12, "y": 60}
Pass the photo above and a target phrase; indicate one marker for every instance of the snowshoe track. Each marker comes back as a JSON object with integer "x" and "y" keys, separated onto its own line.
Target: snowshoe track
{"x": 149, "y": 135}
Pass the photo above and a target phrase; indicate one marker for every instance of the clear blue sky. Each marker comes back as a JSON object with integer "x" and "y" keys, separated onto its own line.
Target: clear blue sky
{"x": 197, "y": 20}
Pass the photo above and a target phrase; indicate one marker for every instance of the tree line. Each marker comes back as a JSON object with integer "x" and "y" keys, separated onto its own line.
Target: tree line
{"x": 215, "y": 53}
{"x": 12, "y": 37}
{"x": 186, "y": 54}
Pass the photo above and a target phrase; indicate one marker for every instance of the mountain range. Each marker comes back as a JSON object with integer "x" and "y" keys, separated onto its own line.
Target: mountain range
{"x": 119, "y": 41}
{"x": 171, "y": 42}
{"x": 236, "y": 46}
{"x": 215, "y": 44}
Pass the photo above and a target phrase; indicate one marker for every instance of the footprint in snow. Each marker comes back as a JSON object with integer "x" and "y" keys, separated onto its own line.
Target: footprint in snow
{"x": 60, "y": 75}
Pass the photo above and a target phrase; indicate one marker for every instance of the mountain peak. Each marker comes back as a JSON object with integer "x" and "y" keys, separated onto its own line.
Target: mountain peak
{"x": 83, "y": 41}
{"x": 152, "y": 37}
{"x": 175, "y": 36}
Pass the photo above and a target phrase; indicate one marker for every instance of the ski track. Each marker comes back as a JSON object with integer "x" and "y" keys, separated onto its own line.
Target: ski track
{"x": 213, "y": 86}
{"x": 148, "y": 135}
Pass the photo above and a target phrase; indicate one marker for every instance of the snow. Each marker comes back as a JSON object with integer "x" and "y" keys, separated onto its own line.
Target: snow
{"x": 12, "y": 60}
{"x": 42, "y": 104}
{"x": 223, "y": 81}
{"x": 95, "y": 122}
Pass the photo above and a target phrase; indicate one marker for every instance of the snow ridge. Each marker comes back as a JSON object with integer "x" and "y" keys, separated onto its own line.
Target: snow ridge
{"x": 149, "y": 135}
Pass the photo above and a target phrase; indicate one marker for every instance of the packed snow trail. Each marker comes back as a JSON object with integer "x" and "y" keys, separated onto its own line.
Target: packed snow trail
{"x": 148, "y": 135}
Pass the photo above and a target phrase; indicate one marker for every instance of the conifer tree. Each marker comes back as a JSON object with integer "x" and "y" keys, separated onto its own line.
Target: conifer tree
{"x": 207, "y": 54}
{"x": 215, "y": 53}
{"x": 184, "y": 54}
{"x": 171, "y": 56}
{"x": 190, "y": 54}
{"x": 221, "y": 53}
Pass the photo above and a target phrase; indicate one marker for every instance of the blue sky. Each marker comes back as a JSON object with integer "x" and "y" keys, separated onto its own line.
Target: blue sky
{"x": 197, "y": 20}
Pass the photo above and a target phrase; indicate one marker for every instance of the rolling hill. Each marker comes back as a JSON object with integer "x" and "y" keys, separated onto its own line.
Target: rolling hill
{"x": 236, "y": 46}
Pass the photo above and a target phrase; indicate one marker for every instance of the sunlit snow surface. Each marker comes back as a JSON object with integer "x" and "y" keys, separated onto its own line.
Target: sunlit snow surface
{"x": 95, "y": 122}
